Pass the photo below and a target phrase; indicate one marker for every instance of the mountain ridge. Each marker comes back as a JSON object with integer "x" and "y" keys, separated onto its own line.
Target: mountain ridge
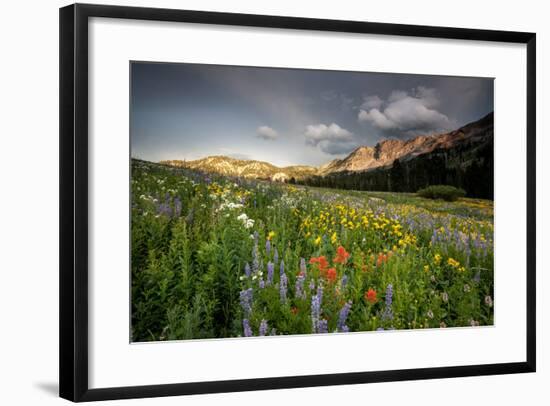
{"x": 382, "y": 155}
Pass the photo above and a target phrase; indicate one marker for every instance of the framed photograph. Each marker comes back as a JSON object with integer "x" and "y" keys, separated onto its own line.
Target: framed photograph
{"x": 256, "y": 202}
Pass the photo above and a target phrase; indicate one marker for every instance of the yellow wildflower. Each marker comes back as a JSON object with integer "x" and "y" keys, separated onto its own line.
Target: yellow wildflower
{"x": 453, "y": 262}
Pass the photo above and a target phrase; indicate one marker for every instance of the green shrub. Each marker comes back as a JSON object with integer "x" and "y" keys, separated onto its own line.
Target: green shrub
{"x": 444, "y": 192}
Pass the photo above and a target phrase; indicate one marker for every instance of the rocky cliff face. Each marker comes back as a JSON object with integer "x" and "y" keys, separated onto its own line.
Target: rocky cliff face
{"x": 384, "y": 153}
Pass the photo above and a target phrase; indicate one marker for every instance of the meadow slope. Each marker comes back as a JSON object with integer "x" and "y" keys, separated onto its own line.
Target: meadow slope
{"x": 214, "y": 256}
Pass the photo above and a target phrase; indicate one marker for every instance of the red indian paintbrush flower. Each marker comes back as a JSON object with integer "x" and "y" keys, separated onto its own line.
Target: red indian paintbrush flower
{"x": 370, "y": 295}
{"x": 341, "y": 255}
{"x": 321, "y": 262}
{"x": 331, "y": 274}
{"x": 382, "y": 258}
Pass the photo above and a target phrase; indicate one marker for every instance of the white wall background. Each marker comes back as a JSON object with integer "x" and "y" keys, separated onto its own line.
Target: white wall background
{"x": 29, "y": 208}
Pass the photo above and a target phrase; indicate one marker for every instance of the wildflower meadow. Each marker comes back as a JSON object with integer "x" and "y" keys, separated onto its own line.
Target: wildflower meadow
{"x": 217, "y": 257}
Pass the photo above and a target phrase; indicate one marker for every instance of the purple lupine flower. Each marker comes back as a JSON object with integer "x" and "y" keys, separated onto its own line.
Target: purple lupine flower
{"x": 267, "y": 247}
{"x": 315, "y": 313}
{"x": 164, "y": 209}
{"x": 388, "y": 313}
{"x": 389, "y": 295}
{"x": 270, "y": 271}
{"x": 320, "y": 292}
{"x": 303, "y": 267}
{"x": 300, "y": 286}
{"x": 261, "y": 283}
{"x": 247, "y": 270}
{"x": 283, "y": 287}
{"x": 282, "y": 268}
{"x": 342, "y": 317}
{"x": 245, "y": 298}
{"x": 477, "y": 276}
{"x": 477, "y": 242}
{"x": 323, "y": 326}
{"x": 312, "y": 285}
{"x": 263, "y": 328}
{"x": 434, "y": 237}
{"x": 246, "y": 328}
{"x": 344, "y": 281}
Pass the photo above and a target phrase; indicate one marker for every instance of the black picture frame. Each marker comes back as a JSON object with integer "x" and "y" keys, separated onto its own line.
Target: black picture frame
{"x": 73, "y": 282}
